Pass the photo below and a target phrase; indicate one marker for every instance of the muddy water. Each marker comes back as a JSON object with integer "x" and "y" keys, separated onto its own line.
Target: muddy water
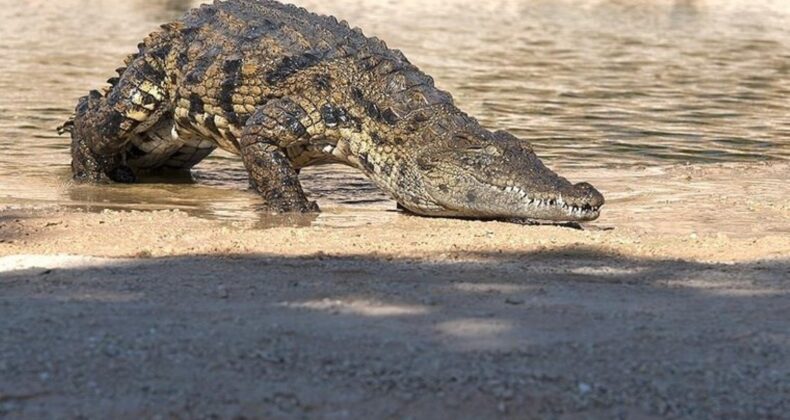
{"x": 602, "y": 88}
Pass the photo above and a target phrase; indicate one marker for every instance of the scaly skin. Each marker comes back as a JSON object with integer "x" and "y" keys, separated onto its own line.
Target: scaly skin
{"x": 285, "y": 89}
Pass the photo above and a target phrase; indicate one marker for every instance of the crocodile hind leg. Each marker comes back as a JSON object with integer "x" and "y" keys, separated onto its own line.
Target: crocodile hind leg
{"x": 85, "y": 164}
{"x": 103, "y": 124}
{"x": 268, "y": 131}
{"x": 89, "y": 166}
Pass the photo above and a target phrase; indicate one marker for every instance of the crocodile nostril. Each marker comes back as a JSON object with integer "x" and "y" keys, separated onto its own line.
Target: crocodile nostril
{"x": 594, "y": 198}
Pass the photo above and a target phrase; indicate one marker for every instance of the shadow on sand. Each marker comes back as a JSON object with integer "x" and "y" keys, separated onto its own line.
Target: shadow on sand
{"x": 572, "y": 331}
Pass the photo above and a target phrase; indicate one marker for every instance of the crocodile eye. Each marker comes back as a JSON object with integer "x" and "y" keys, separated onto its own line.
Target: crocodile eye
{"x": 493, "y": 150}
{"x": 482, "y": 149}
{"x": 465, "y": 142}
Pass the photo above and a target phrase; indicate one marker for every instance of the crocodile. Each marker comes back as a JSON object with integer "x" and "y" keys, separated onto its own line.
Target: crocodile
{"x": 284, "y": 89}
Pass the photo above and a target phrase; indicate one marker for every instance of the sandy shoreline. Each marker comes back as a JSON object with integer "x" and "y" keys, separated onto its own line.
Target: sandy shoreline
{"x": 719, "y": 213}
{"x": 675, "y": 303}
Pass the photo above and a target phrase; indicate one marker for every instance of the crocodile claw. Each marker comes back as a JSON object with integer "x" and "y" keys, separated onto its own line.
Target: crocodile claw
{"x": 291, "y": 206}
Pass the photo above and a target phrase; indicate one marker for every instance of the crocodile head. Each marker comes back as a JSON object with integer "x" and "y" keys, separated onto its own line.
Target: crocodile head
{"x": 499, "y": 176}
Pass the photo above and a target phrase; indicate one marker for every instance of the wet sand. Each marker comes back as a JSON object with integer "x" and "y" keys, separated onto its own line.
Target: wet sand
{"x": 674, "y": 303}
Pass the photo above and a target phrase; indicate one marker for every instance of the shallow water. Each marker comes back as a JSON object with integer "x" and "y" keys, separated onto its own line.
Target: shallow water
{"x": 594, "y": 85}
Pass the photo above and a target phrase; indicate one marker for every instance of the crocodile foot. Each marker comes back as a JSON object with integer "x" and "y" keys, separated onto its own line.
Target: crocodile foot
{"x": 86, "y": 166}
{"x": 291, "y": 206}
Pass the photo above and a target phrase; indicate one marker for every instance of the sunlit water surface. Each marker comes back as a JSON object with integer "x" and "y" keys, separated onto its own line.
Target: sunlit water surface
{"x": 596, "y": 86}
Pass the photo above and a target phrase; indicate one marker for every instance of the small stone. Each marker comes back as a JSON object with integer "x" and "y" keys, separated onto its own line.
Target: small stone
{"x": 584, "y": 388}
{"x": 502, "y": 407}
{"x": 144, "y": 253}
{"x": 514, "y": 301}
{"x": 222, "y": 292}
{"x": 429, "y": 301}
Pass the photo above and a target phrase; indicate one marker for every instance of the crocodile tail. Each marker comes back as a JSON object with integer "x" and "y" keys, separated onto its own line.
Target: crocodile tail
{"x": 68, "y": 125}
{"x": 152, "y": 39}
{"x": 120, "y": 70}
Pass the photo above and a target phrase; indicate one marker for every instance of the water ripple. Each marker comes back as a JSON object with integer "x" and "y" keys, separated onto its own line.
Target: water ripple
{"x": 591, "y": 83}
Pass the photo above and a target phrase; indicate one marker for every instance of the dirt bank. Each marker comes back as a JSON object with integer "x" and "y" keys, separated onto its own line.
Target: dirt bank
{"x": 675, "y": 303}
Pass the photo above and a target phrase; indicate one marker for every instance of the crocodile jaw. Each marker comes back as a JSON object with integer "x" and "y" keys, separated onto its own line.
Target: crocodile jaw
{"x": 501, "y": 180}
{"x": 492, "y": 202}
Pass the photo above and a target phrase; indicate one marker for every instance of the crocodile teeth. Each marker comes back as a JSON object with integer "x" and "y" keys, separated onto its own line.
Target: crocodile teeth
{"x": 579, "y": 211}
{"x": 558, "y": 202}
{"x": 516, "y": 190}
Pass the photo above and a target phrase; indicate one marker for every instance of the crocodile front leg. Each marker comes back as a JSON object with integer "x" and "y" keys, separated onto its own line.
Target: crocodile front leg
{"x": 268, "y": 131}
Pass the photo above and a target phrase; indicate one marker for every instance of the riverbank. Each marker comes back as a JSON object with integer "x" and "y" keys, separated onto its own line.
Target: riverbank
{"x": 675, "y": 302}
{"x": 717, "y": 213}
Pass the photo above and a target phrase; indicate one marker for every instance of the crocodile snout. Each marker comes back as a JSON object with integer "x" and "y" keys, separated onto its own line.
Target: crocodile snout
{"x": 589, "y": 195}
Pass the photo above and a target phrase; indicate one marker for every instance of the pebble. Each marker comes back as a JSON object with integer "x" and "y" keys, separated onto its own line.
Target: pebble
{"x": 584, "y": 388}
{"x": 429, "y": 301}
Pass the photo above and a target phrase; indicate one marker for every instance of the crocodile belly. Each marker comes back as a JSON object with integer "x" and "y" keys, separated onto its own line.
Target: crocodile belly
{"x": 162, "y": 146}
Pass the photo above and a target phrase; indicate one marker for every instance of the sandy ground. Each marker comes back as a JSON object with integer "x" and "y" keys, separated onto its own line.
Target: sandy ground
{"x": 676, "y": 303}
